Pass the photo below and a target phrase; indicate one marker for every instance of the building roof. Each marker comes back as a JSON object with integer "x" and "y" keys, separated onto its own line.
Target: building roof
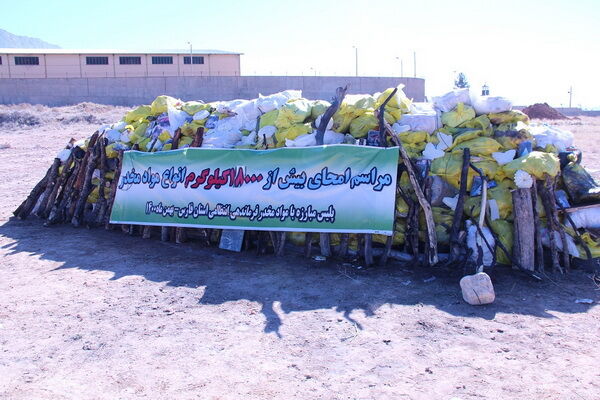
{"x": 113, "y": 51}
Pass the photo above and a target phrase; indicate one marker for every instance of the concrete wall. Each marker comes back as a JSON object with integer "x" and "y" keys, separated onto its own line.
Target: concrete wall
{"x": 135, "y": 91}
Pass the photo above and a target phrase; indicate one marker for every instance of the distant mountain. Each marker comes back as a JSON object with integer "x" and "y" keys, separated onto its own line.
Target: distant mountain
{"x": 8, "y": 40}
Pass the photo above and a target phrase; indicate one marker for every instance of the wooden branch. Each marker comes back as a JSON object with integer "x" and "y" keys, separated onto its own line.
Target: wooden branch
{"x": 457, "y": 219}
{"x": 431, "y": 235}
{"x": 524, "y": 229}
{"x": 67, "y": 183}
{"x": 343, "y": 249}
{"x": 308, "y": 244}
{"x": 578, "y": 237}
{"x": 280, "y": 244}
{"x": 98, "y": 216}
{"x": 113, "y": 188}
{"x": 336, "y": 102}
{"x": 325, "y": 244}
{"x": 52, "y": 181}
{"x": 27, "y": 206}
{"x": 368, "y": 243}
{"x": 381, "y": 118}
{"x": 86, "y": 188}
{"x": 539, "y": 249}
{"x": 548, "y": 199}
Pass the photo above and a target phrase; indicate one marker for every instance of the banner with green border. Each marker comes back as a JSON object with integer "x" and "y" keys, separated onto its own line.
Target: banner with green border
{"x": 338, "y": 188}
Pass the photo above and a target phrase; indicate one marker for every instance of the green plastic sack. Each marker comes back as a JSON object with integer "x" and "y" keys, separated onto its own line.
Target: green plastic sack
{"x": 351, "y": 108}
{"x": 508, "y": 117}
{"x": 291, "y": 133}
{"x": 318, "y": 108}
{"x": 465, "y": 136}
{"x": 580, "y": 185}
{"x": 482, "y": 122}
{"x": 293, "y": 112}
{"x": 363, "y": 124}
{"x": 192, "y": 107}
{"x": 139, "y": 113}
{"x": 461, "y": 113}
{"x": 161, "y": 104}
{"x": 481, "y": 146}
{"x": 536, "y": 163}
{"x": 504, "y": 230}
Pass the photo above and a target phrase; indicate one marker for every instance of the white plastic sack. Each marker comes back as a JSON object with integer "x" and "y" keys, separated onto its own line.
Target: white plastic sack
{"x": 267, "y": 131}
{"x": 221, "y": 139}
{"x": 276, "y": 100}
{"x": 545, "y": 134}
{"x": 397, "y": 128}
{"x": 329, "y": 124}
{"x": 422, "y": 117}
{"x": 489, "y": 104}
{"x": 176, "y": 119}
{"x": 113, "y": 135}
{"x": 451, "y": 99}
{"x": 571, "y": 246}
{"x": 306, "y": 140}
{"x": 249, "y": 140}
{"x": 431, "y": 152}
{"x": 476, "y": 241}
{"x": 200, "y": 115}
{"x": 504, "y": 157}
{"x": 331, "y": 137}
{"x": 64, "y": 154}
{"x": 119, "y": 125}
{"x": 586, "y": 218}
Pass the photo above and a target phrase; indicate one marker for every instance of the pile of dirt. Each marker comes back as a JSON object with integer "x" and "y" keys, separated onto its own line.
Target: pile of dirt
{"x": 543, "y": 111}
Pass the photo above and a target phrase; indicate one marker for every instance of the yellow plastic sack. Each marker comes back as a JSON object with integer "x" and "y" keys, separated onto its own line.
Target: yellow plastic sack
{"x": 144, "y": 143}
{"x": 482, "y": 122}
{"x": 461, "y": 113}
{"x": 414, "y": 137}
{"x": 351, "y": 108}
{"x": 502, "y": 195}
{"x": 268, "y": 119}
{"x": 110, "y": 151}
{"x": 511, "y": 139}
{"x": 190, "y": 128}
{"x": 392, "y": 115}
{"x": 139, "y": 131}
{"x": 504, "y": 230}
{"x": 94, "y": 195}
{"x": 536, "y": 163}
{"x": 291, "y": 133}
{"x": 161, "y": 104}
{"x": 192, "y": 107}
{"x": 508, "y": 117}
{"x": 399, "y": 101}
{"x": 481, "y": 146}
{"x": 363, "y": 124}
{"x": 293, "y": 112}
{"x": 164, "y": 136}
{"x": 449, "y": 168}
{"x": 466, "y": 136}
{"x": 139, "y": 113}
{"x": 318, "y": 107}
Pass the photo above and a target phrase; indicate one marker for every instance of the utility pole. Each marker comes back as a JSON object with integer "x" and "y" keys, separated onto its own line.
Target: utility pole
{"x": 415, "y": 62}
{"x": 191, "y": 60}
{"x": 570, "y": 95}
{"x": 356, "y": 59}
{"x": 401, "y": 67}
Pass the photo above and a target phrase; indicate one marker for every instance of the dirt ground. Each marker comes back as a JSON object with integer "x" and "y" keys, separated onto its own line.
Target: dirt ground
{"x": 95, "y": 314}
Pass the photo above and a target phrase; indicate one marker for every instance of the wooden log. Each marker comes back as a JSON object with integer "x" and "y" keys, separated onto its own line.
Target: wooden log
{"x": 57, "y": 212}
{"x": 325, "y": 244}
{"x": 548, "y": 200}
{"x": 52, "y": 181}
{"x": 98, "y": 214}
{"x": 25, "y": 208}
{"x": 172, "y": 231}
{"x": 524, "y": 229}
{"x": 578, "y": 237}
{"x": 113, "y": 189}
{"x": 457, "y": 220}
{"x": 340, "y": 93}
{"x": 61, "y": 180}
{"x": 432, "y": 258}
{"x": 147, "y": 232}
{"x": 539, "y": 249}
{"x": 368, "y": 249}
{"x": 308, "y": 244}
{"x": 280, "y": 244}
{"x": 343, "y": 249}
{"x": 86, "y": 188}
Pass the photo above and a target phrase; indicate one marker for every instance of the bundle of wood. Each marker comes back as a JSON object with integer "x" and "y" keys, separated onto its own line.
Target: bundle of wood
{"x": 484, "y": 214}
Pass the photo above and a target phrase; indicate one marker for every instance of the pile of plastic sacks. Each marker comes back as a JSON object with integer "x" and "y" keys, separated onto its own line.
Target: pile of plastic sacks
{"x": 509, "y": 150}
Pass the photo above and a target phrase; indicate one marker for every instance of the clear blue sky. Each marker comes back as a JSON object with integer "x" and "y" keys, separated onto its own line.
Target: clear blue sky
{"x": 530, "y": 51}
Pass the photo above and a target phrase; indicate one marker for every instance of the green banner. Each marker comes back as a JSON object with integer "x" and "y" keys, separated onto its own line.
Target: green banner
{"x": 339, "y": 188}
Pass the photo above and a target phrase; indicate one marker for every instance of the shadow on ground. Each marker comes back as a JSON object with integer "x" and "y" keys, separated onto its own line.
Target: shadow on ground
{"x": 297, "y": 283}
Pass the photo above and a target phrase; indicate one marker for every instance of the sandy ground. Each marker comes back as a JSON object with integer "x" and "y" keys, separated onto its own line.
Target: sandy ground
{"x": 95, "y": 314}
